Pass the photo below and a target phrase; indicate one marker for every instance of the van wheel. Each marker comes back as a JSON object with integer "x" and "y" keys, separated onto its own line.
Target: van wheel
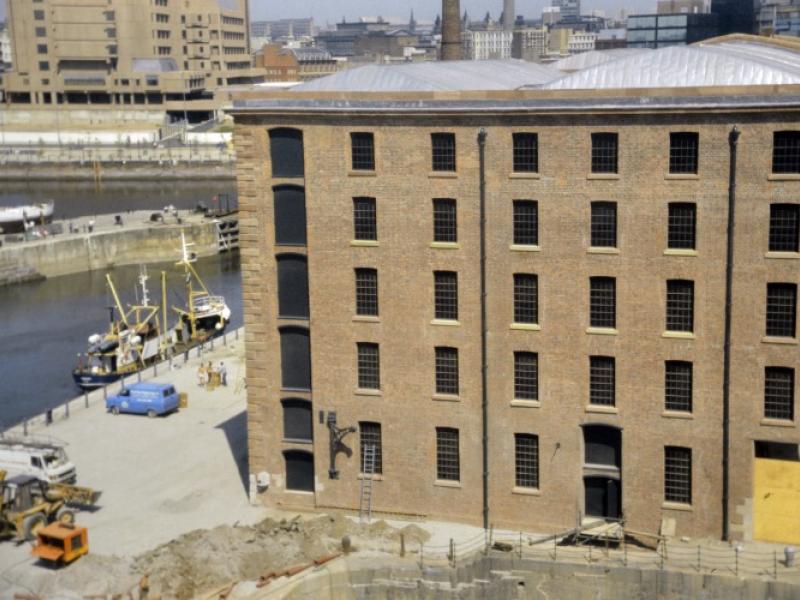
{"x": 115, "y": 410}
{"x": 32, "y": 525}
{"x": 66, "y": 517}
{"x": 151, "y": 413}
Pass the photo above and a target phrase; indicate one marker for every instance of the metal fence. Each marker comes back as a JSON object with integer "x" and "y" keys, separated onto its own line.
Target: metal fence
{"x": 63, "y": 411}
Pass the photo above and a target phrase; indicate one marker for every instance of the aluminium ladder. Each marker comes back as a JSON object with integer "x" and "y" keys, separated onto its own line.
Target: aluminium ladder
{"x": 365, "y": 505}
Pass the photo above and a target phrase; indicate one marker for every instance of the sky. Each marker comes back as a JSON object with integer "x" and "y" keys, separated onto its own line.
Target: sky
{"x": 332, "y": 10}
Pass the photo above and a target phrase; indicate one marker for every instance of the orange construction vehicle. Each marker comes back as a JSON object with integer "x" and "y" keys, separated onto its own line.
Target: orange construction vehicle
{"x": 61, "y": 543}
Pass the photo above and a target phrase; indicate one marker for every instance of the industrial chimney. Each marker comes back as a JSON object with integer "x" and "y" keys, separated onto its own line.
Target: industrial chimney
{"x": 508, "y": 15}
{"x": 451, "y": 30}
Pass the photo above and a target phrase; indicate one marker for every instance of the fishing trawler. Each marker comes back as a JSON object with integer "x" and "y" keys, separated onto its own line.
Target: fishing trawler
{"x": 15, "y": 219}
{"x": 138, "y": 336}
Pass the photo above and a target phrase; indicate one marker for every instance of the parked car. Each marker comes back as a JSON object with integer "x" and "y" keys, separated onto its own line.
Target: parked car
{"x": 151, "y": 399}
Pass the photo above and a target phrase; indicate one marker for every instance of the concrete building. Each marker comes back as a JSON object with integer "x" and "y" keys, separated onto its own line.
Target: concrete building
{"x": 660, "y": 31}
{"x": 551, "y": 15}
{"x": 127, "y": 52}
{"x": 530, "y": 43}
{"x": 6, "y": 56}
{"x": 668, "y": 7}
{"x": 490, "y": 293}
{"x": 779, "y": 17}
{"x": 611, "y": 39}
{"x": 486, "y": 41}
{"x": 581, "y": 41}
{"x": 294, "y": 64}
{"x": 570, "y": 10}
{"x": 509, "y": 15}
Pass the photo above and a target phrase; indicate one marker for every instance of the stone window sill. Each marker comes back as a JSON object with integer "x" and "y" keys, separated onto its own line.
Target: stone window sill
{"x": 446, "y": 322}
{"x": 785, "y": 341}
{"x": 526, "y": 403}
{"x": 601, "y": 331}
{"x": 600, "y": 250}
{"x": 447, "y": 483}
{"x": 601, "y": 176}
{"x": 522, "y": 491}
{"x": 677, "y": 414}
{"x": 681, "y": 176}
{"x": 678, "y": 335}
{"x": 783, "y": 255}
{"x": 443, "y": 175}
{"x": 677, "y": 506}
{"x": 525, "y": 326}
{"x": 366, "y": 319}
{"x": 524, "y": 248}
{"x": 374, "y": 476}
{"x": 522, "y": 175}
{"x": 783, "y": 177}
{"x": 446, "y": 398}
{"x": 299, "y": 492}
{"x": 600, "y": 409}
{"x": 445, "y": 245}
{"x": 680, "y": 252}
{"x": 358, "y": 173}
{"x": 777, "y": 423}
{"x": 367, "y": 392}
{"x": 365, "y": 243}
{"x": 297, "y": 441}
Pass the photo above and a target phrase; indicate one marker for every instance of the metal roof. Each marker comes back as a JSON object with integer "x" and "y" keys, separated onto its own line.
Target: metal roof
{"x": 462, "y": 75}
{"x": 716, "y": 64}
{"x": 584, "y": 60}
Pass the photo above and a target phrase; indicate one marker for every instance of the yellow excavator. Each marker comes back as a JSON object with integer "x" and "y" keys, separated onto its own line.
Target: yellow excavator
{"x": 27, "y": 504}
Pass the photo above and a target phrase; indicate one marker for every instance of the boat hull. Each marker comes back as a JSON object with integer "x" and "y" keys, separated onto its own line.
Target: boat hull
{"x": 91, "y": 381}
{"x": 12, "y": 219}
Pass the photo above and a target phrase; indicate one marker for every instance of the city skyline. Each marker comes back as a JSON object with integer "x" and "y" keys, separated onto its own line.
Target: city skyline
{"x": 425, "y": 10}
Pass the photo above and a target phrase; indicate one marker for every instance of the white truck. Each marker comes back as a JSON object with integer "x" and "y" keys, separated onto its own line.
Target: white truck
{"x": 45, "y": 460}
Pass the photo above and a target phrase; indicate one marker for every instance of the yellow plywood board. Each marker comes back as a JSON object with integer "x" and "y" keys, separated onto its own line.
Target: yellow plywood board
{"x": 776, "y": 501}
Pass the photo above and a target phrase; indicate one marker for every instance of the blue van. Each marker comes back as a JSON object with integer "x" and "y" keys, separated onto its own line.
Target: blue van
{"x": 149, "y": 399}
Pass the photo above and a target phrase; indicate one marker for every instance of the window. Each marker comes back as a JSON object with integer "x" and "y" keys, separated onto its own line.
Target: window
{"x": 680, "y": 305}
{"x": 447, "y": 456}
{"x": 678, "y": 385}
{"x": 604, "y": 152}
{"x": 286, "y": 152}
{"x": 367, "y": 292}
{"x": 370, "y": 436}
{"x": 369, "y": 373}
{"x": 290, "y": 215}
{"x": 292, "y": 286}
{"x": 44, "y": 65}
{"x": 526, "y": 222}
{"x": 786, "y": 152}
{"x": 781, "y": 309}
{"x": 365, "y": 219}
{"x": 363, "y": 151}
{"x": 603, "y": 302}
{"x": 601, "y": 380}
{"x": 526, "y": 298}
{"x": 683, "y": 152}
{"x": 526, "y": 460}
{"x": 682, "y": 224}
{"x": 299, "y": 470}
{"x": 445, "y": 285}
{"x": 41, "y": 48}
{"x": 295, "y": 358}
{"x": 297, "y": 420}
{"x": 604, "y": 224}
{"x": 526, "y": 152}
{"x": 784, "y": 228}
{"x": 41, "y": 32}
{"x": 445, "y": 226}
{"x": 447, "y": 371}
{"x": 526, "y": 376}
{"x": 38, "y": 15}
{"x": 779, "y": 393}
{"x": 443, "y": 151}
{"x": 678, "y": 474}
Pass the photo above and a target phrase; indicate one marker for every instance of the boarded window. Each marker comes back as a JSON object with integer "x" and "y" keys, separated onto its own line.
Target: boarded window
{"x": 293, "y": 286}
{"x": 297, "y": 420}
{"x": 295, "y": 358}
{"x": 290, "y": 215}
{"x": 299, "y": 470}
{"x": 602, "y": 445}
{"x": 286, "y": 152}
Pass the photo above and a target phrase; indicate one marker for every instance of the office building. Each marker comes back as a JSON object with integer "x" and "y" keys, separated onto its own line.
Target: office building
{"x": 499, "y": 293}
{"x": 660, "y": 31}
{"x": 127, "y": 53}
{"x": 486, "y": 41}
{"x": 570, "y": 10}
{"x": 529, "y": 43}
{"x": 734, "y": 16}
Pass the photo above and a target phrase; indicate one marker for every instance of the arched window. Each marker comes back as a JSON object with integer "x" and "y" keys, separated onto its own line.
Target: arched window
{"x": 297, "y": 420}
{"x": 290, "y": 215}
{"x": 299, "y": 470}
{"x": 286, "y": 152}
{"x": 295, "y": 358}
{"x": 292, "y": 286}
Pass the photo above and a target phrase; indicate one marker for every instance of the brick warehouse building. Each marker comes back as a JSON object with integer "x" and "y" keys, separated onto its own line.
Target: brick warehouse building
{"x": 591, "y": 379}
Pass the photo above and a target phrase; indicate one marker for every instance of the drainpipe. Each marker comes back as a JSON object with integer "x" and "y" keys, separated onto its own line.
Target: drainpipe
{"x": 484, "y": 360}
{"x": 733, "y": 138}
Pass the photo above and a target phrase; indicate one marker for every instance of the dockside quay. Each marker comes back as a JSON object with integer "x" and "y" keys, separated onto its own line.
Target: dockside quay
{"x": 507, "y": 296}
